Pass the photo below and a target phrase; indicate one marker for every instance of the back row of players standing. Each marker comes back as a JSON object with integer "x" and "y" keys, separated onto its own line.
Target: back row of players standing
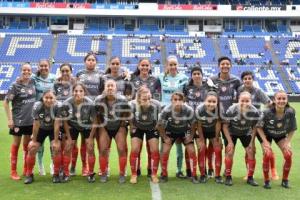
{"x": 23, "y": 93}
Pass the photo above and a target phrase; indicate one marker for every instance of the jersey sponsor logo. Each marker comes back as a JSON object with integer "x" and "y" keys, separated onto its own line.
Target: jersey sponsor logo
{"x": 23, "y": 90}
{"x": 223, "y": 89}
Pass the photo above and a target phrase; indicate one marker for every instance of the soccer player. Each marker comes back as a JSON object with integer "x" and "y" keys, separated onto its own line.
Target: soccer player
{"x": 80, "y": 111}
{"x": 240, "y": 122}
{"x": 44, "y": 113}
{"x": 22, "y": 95}
{"x": 177, "y": 122}
{"x": 194, "y": 92}
{"x": 209, "y": 128}
{"x": 44, "y": 81}
{"x": 63, "y": 90}
{"x": 258, "y": 97}
{"x": 145, "y": 115}
{"x": 173, "y": 81}
{"x": 113, "y": 111}
{"x": 143, "y": 77}
{"x": 91, "y": 77}
{"x": 278, "y": 124}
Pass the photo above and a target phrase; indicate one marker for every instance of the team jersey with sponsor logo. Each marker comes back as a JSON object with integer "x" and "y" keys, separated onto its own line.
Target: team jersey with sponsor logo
{"x": 92, "y": 81}
{"x": 207, "y": 119}
{"x": 62, "y": 91}
{"x": 258, "y": 97}
{"x": 177, "y": 122}
{"x": 227, "y": 91}
{"x": 112, "y": 115}
{"x": 123, "y": 86}
{"x": 46, "y": 116}
{"x": 43, "y": 84}
{"x": 22, "y": 97}
{"x": 241, "y": 124}
{"x": 151, "y": 82}
{"x": 145, "y": 118}
{"x": 194, "y": 95}
{"x": 80, "y": 116}
{"x": 278, "y": 127}
{"x": 169, "y": 85}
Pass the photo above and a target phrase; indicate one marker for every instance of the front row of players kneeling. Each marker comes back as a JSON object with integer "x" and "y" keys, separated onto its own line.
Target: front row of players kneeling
{"x": 109, "y": 116}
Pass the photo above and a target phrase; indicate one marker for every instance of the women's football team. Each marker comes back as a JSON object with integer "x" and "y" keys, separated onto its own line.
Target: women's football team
{"x": 102, "y": 106}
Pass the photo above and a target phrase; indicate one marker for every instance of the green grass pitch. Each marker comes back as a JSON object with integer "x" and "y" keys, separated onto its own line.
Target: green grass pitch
{"x": 79, "y": 188}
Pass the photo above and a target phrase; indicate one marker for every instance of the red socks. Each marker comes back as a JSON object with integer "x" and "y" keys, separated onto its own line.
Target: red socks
{"x": 228, "y": 166}
{"x": 201, "y": 161}
{"x": 134, "y": 163}
{"x": 266, "y": 165}
{"x": 251, "y": 167}
{"x": 218, "y": 160}
{"x": 164, "y": 164}
{"x": 149, "y": 155}
{"x": 13, "y": 157}
{"x": 187, "y": 160}
{"x": 66, "y": 163}
{"x": 25, "y": 153}
{"x": 193, "y": 163}
{"x": 272, "y": 160}
{"x": 287, "y": 164}
{"x": 154, "y": 162}
{"x": 122, "y": 164}
{"x": 103, "y": 164}
{"x": 74, "y": 156}
{"x": 56, "y": 163}
{"x": 30, "y": 160}
{"x": 209, "y": 155}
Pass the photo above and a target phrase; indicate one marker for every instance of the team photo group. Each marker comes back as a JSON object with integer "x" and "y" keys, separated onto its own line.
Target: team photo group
{"x": 203, "y": 118}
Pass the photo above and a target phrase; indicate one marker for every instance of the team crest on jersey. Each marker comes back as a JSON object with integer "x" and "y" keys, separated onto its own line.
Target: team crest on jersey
{"x": 209, "y": 120}
{"x": 77, "y": 115}
{"x": 30, "y": 91}
{"x": 144, "y": 117}
{"x": 279, "y": 125}
{"x": 197, "y": 94}
{"x": 223, "y": 89}
{"x": 137, "y": 83}
{"x": 66, "y": 92}
{"x": 47, "y": 119}
{"x": 243, "y": 122}
{"x": 16, "y": 129}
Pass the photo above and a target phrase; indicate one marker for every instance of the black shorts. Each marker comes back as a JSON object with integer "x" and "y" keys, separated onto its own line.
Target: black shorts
{"x": 270, "y": 138}
{"x": 175, "y": 137}
{"x": 112, "y": 133}
{"x": 245, "y": 140}
{"x": 75, "y": 133}
{"x": 21, "y": 130}
{"x": 42, "y": 134}
{"x": 149, "y": 134}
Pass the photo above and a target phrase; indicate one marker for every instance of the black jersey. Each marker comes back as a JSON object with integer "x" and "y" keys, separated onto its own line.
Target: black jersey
{"x": 241, "y": 124}
{"x": 145, "y": 119}
{"x": 151, "y": 82}
{"x": 112, "y": 115}
{"x": 278, "y": 127}
{"x": 208, "y": 119}
{"x": 46, "y": 116}
{"x": 194, "y": 95}
{"x": 177, "y": 123}
{"x": 92, "y": 81}
{"x": 227, "y": 91}
{"x": 22, "y": 97}
{"x": 258, "y": 97}
{"x": 62, "y": 91}
{"x": 80, "y": 116}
